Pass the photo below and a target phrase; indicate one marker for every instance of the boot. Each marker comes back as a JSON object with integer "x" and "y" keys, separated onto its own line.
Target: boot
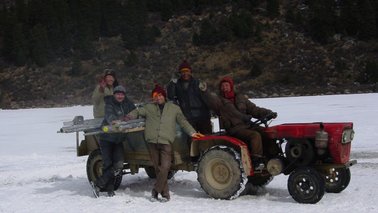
{"x": 165, "y": 197}
{"x": 154, "y": 195}
{"x": 111, "y": 193}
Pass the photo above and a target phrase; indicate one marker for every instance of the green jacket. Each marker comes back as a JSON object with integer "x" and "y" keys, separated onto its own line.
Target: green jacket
{"x": 99, "y": 102}
{"x": 161, "y": 127}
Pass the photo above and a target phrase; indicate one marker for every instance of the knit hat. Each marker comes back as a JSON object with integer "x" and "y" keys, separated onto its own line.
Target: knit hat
{"x": 229, "y": 95}
{"x": 159, "y": 90}
{"x": 119, "y": 89}
{"x": 109, "y": 72}
{"x": 184, "y": 65}
{"x": 112, "y": 73}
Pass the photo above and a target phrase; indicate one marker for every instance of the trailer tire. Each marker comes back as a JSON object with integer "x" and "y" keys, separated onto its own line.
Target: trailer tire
{"x": 94, "y": 168}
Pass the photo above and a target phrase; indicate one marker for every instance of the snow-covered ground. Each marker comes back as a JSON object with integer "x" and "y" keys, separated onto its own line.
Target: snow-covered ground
{"x": 39, "y": 170}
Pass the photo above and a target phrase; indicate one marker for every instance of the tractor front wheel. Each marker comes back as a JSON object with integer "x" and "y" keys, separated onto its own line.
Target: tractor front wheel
{"x": 336, "y": 180}
{"x": 306, "y": 185}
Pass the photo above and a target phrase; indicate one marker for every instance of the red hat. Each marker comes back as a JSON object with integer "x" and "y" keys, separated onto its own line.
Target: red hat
{"x": 160, "y": 90}
{"x": 229, "y": 95}
{"x": 184, "y": 65}
{"x": 229, "y": 80}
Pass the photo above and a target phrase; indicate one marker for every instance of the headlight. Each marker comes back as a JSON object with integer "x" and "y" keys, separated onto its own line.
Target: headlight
{"x": 347, "y": 136}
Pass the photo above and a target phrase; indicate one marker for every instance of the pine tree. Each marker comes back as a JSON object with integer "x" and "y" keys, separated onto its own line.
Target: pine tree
{"x": 19, "y": 51}
{"x": 39, "y": 45}
{"x": 349, "y": 17}
{"x": 166, "y": 9}
{"x": 133, "y": 32}
{"x": 367, "y": 23}
{"x": 273, "y": 8}
{"x": 322, "y": 22}
{"x": 60, "y": 29}
{"x": 14, "y": 41}
{"x": 21, "y": 11}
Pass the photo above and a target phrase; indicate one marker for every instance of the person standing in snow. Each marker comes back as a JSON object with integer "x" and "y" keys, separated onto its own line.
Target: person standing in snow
{"x": 116, "y": 109}
{"x": 186, "y": 94}
{"x": 161, "y": 118}
{"x": 103, "y": 89}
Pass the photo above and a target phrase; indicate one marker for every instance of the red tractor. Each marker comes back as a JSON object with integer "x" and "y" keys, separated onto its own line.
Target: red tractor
{"x": 314, "y": 155}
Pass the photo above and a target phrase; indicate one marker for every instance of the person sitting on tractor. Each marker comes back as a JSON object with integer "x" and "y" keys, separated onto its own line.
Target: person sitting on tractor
{"x": 161, "y": 118}
{"x": 235, "y": 112}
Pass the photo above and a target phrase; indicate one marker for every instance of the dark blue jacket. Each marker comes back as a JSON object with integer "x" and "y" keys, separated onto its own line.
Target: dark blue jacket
{"x": 115, "y": 110}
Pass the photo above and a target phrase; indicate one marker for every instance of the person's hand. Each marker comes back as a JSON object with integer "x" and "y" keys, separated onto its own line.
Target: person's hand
{"x": 102, "y": 84}
{"x": 197, "y": 135}
{"x": 115, "y": 122}
{"x": 126, "y": 118}
{"x": 274, "y": 115}
{"x": 202, "y": 86}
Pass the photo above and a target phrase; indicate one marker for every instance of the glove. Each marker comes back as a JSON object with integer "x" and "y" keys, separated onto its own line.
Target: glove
{"x": 202, "y": 86}
{"x": 197, "y": 135}
{"x": 274, "y": 115}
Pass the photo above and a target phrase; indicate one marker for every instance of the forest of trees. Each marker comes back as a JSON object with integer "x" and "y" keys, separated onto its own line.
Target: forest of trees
{"x": 41, "y": 31}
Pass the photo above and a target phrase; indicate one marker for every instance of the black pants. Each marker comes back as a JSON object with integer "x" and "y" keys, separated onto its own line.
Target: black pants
{"x": 202, "y": 125}
{"x": 112, "y": 157}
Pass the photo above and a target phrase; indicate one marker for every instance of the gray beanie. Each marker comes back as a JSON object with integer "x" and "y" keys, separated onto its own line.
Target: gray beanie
{"x": 120, "y": 89}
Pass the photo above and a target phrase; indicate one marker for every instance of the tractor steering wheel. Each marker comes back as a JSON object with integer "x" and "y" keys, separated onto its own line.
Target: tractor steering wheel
{"x": 264, "y": 120}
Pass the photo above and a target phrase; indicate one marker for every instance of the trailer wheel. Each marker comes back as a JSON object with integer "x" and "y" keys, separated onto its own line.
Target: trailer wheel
{"x": 306, "y": 185}
{"x": 150, "y": 170}
{"x": 94, "y": 168}
{"x": 220, "y": 173}
{"x": 336, "y": 180}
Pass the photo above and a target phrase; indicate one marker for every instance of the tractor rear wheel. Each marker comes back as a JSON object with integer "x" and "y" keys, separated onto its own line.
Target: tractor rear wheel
{"x": 336, "y": 180}
{"x": 306, "y": 185}
{"x": 94, "y": 168}
{"x": 220, "y": 173}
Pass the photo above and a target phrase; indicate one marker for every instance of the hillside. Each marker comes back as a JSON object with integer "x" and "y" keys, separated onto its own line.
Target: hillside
{"x": 281, "y": 59}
